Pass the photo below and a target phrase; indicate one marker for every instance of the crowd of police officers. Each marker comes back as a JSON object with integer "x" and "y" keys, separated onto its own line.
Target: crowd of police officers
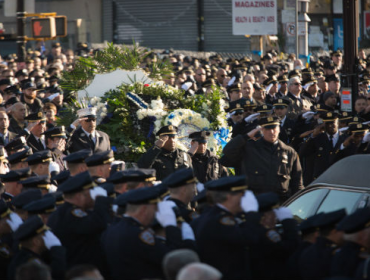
{"x": 68, "y": 204}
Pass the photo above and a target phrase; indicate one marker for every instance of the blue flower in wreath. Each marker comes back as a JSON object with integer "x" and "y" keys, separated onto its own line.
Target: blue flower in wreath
{"x": 114, "y": 149}
{"x": 171, "y": 116}
{"x": 190, "y": 118}
{"x": 169, "y": 123}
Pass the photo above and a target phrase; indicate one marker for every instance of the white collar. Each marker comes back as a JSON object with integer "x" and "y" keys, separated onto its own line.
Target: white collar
{"x": 88, "y": 134}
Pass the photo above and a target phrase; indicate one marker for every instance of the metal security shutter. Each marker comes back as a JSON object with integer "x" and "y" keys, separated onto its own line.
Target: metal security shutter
{"x": 161, "y": 24}
{"x": 218, "y": 33}
{"x": 107, "y": 15}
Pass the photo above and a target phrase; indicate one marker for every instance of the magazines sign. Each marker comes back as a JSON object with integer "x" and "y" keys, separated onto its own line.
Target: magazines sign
{"x": 254, "y": 17}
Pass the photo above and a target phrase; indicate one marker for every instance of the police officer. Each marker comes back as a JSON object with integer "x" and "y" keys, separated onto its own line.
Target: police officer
{"x": 18, "y": 159}
{"x": 182, "y": 187}
{"x": 76, "y": 225}
{"x": 39, "y": 162}
{"x": 222, "y": 241}
{"x": 132, "y": 249}
{"x": 164, "y": 157}
{"x": 35, "y": 129}
{"x": 324, "y": 143}
{"x": 315, "y": 261}
{"x": 205, "y": 163}
{"x": 76, "y": 161}
{"x": 269, "y": 164}
{"x": 12, "y": 183}
{"x": 99, "y": 164}
{"x": 42, "y": 183}
{"x": 86, "y": 136}
{"x": 35, "y": 239}
{"x": 55, "y": 139}
{"x": 286, "y": 124}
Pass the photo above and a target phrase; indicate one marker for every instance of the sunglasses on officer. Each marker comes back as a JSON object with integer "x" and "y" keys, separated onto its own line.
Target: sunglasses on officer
{"x": 90, "y": 120}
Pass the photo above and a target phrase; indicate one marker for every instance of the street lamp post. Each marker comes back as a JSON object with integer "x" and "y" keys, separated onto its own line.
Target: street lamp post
{"x": 21, "y": 38}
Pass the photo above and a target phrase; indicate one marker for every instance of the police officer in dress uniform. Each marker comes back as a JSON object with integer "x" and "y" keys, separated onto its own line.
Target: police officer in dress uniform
{"x": 324, "y": 143}
{"x": 205, "y": 163}
{"x": 315, "y": 261}
{"x": 12, "y": 183}
{"x": 76, "y": 161}
{"x": 36, "y": 127}
{"x": 223, "y": 240}
{"x": 182, "y": 187}
{"x": 132, "y": 249}
{"x": 164, "y": 157}
{"x": 55, "y": 139}
{"x": 76, "y": 225}
{"x": 99, "y": 165}
{"x": 286, "y": 124}
{"x": 35, "y": 240}
{"x": 269, "y": 164}
{"x": 86, "y": 136}
{"x": 18, "y": 160}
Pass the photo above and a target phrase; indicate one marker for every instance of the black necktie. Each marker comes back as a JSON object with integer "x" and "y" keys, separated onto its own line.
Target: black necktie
{"x": 41, "y": 145}
{"x": 331, "y": 142}
{"x": 92, "y": 140}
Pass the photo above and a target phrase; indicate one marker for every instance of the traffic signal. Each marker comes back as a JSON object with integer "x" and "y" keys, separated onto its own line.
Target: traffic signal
{"x": 61, "y": 26}
{"x": 43, "y": 27}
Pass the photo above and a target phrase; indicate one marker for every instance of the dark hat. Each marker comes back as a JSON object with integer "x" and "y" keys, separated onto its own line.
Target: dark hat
{"x": 36, "y": 117}
{"x": 327, "y": 95}
{"x": 358, "y": 128}
{"x": 257, "y": 86}
{"x": 320, "y": 108}
{"x": 26, "y": 197}
{"x": 249, "y": 103}
{"x": 80, "y": 182}
{"x": 56, "y": 131}
{"x": 58, "y": 196}
{"x": 29, "y": 84}
{"x": 330, "y": 220}
{"x": 319, "y": 72}
{"x": 78, "y": 157}
{"x": 39, "y": 182}
{"x": 5, "y": 82}
{"x": 16, "y": 144}
{"x": 167, "y": 130}
{"x": 146, "y": 195}
{"x": 109, "y": 187}
{"x": 236, "y": 105}
{"x": 308, "y": 226}
{"x": 329, "y": 117}
{"x": 16, "y": 175}
{"x": 267, "y": 201}
{"x": 356, "y": 120}
{"x": 30, "y": 228}
{"x": 4, "y": 209}
{"x": 40, "y": 157}
{"x": 355, "y": 222}
{"x": 45, "y": 205}
{"x": 22, "y": 72}
{"x": 55, "y": 45}
{"x": 329, "y": 64}
{"x": 294, "y": 73}
{"x": 281, "y": 103}
{"x": 162, "y": 190}
{"x": 332, "y": 78}
{"x": 311, "y": 79}
{"x": 61, "y": 177}
{"x": 269, "y": 122}
{"x": 229, "y": 184}
{"x": 14, "y": 89}
{"x": 234, "y": 87}
{"x": 344, "y": 116}
{"x": 307, "y": 71}
{"x": 133, "y": 175}
{"x": 20, "y": 156}
{"x": 269, "y": 81}
{"x": 209, "y": 83}
{"x": 101, "y": 158}
{"x": 336, "y": 53}
{"x": 180, "y": 178}
{"x": 12, "y": 100}
{"x": 282, "y": 78}
{"x": 267, "y": 56}
{"x": 200, "y": 136}
{"x": 265, "y": 108}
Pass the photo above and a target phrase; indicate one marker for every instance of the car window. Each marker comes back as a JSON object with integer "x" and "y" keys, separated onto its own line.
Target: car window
{"x": 305, "y": 205}
{"x": 337, "y": 199}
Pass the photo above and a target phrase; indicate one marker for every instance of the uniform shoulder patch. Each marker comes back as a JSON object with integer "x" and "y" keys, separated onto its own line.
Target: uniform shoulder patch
{"x": 147, "y": 237}
{"x": 79, "y": 213}
{"x": 274, "y": 236}
{"x": 227, "y": 221}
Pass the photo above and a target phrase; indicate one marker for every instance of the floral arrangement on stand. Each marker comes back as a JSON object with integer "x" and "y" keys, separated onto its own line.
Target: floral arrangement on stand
{"x": 132, "y": 113}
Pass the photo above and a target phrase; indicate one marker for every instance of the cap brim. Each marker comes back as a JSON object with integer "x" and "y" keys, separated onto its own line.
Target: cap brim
{"x": 270, "y": 125}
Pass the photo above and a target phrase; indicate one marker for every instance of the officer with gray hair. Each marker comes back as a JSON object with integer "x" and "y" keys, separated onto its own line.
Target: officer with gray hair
{"x": 199, "y": 271}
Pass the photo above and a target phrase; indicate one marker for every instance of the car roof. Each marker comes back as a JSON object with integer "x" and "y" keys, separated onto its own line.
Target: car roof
{"x": 352, "y": 171}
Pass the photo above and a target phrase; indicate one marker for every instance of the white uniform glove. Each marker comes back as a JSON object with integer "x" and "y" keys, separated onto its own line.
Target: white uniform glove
{"x": 308, "y": 115}
{"x": 249, "y": 202}
{"x": 97, "y": 191}
{"x": 187, "y": 232}
{"x": 366, "y": 138}
{"x": 14, "y": 221}
{"x": 252, "y": 117}
{"x": 53, "y": 166}
{"x": 200, "y": 187}
{"x": 50, "y": 240}
{"x": 165, "y": 214}
{"x": 283, "y": 213}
